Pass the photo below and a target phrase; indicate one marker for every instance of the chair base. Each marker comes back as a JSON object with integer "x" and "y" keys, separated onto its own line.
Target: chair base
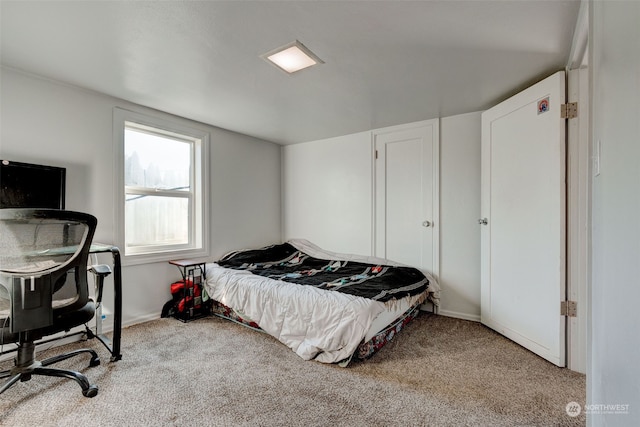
{"x": 26, "y": 365}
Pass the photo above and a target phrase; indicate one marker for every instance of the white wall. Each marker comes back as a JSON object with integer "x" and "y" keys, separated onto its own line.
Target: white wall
{"x": 327, "y": 193}
{"x": 613, "y": 375}
{"x": 459, "y": 213}
{"x": 327, "y": 199}
{"x": 51, "y": 123}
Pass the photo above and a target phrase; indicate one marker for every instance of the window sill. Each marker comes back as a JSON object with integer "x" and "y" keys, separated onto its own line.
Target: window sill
{"x": 139, "y": 259}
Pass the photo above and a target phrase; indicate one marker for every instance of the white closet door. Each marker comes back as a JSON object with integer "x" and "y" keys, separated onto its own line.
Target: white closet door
{"x": 523, "y": 201}
{"x": 406, "y": 202}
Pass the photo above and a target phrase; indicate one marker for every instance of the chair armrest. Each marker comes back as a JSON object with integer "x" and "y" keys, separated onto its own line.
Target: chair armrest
{"x": 100, "y": 271}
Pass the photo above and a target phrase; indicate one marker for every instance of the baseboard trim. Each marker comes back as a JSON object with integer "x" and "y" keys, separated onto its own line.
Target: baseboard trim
{"x": 458, "y": 315}
{"x": 51, "y": 341}
{"x": 76, "y": 334}
{"x": 141, "y": 319}
{"x": 107, "y": 325}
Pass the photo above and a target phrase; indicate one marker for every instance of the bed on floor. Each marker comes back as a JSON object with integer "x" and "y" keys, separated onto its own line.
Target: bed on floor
{"x": 325, "y": 306}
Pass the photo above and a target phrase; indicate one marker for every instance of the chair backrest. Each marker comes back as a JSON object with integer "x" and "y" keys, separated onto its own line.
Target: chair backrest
{"x": 43, "y": 264}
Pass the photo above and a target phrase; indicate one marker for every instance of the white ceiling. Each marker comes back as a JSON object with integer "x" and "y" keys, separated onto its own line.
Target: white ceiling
{"x": 386, "y": 62}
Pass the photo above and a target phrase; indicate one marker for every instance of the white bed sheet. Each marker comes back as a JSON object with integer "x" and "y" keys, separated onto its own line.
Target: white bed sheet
{"x": 315, "y": 323}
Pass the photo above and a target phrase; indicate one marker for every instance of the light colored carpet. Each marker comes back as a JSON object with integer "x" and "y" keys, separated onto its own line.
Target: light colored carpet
{"x": 438, "y": 372}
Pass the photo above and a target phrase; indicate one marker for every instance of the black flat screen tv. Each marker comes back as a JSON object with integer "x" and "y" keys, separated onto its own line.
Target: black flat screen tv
{"x": 25, "y": 185}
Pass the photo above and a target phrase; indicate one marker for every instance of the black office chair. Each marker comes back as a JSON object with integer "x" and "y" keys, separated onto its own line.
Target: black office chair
{"x": 43, "y": 287}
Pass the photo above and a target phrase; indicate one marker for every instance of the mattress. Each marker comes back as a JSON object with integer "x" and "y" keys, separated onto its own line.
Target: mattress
{"x": 381, "y": 332}
{"x": 315, "y": 322}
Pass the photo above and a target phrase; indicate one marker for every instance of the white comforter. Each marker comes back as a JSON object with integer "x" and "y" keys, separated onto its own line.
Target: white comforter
{"x": 315, "y": 323}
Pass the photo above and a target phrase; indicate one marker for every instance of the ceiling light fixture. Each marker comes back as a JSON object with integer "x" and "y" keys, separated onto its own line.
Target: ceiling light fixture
{"x": 292, "y": 57}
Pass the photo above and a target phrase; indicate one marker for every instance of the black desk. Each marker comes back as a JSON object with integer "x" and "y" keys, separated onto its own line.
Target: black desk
{"x": 114, "y": 349}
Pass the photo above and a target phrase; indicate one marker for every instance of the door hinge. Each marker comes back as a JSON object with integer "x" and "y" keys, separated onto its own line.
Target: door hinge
{"x": 376, "y": 154}
{"x": 568, "y": 308}
{"x": 569, "y": 110}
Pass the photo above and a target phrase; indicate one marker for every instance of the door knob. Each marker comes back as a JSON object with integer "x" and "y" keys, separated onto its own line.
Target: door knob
{"x": 426, "y": 223}
{"x": 483, "y": 221}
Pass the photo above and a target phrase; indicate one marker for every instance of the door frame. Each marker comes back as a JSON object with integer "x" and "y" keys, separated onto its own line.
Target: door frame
{"x": 579, "y": 176}
{"x": 579, "y": 172}
{"x": 435, "y": 123}
{"x": 578, "y": 218}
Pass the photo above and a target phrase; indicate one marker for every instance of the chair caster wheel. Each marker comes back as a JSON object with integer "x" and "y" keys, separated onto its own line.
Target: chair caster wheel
{"x": 95, "y": 361}
{"x": 92, "y": 391}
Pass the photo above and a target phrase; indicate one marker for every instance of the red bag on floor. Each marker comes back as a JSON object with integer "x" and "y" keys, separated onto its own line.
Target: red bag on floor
{"x": 183, "y": 293}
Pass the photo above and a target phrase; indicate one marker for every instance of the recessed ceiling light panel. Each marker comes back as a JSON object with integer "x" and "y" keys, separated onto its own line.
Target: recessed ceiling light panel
{"x": 292, "y": 57}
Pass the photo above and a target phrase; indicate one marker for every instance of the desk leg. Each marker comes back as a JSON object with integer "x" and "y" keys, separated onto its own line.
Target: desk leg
{"x": 117, "y": 315}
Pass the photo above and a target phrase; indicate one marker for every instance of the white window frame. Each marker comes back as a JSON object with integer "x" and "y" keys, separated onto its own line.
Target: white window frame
{"x": 198, "y": 245}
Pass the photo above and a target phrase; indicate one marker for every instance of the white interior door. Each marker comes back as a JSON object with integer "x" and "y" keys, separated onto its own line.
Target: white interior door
{"x": 523, "y": 201}
{"x": 406, "y": 201}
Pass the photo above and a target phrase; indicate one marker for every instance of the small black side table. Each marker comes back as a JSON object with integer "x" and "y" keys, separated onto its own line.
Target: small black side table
{"x": 193, "y": 275}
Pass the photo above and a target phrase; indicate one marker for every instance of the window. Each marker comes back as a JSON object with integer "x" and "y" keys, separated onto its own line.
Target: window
{"x": 161, "y": 203}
